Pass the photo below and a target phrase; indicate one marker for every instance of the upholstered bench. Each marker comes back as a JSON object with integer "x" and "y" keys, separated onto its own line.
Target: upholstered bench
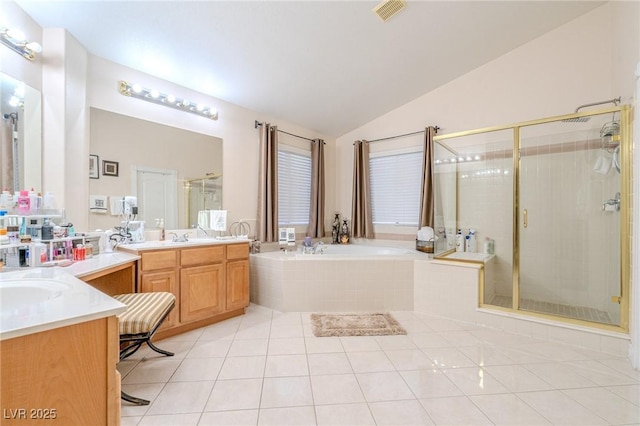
{"x": 145, "y": 313}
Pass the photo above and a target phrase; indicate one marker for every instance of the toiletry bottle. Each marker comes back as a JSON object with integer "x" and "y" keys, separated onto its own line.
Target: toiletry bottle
{"x": 47, "y": 230}
{"x": 4, "y": 238}
{"x": 35, "y": 202}
{"x": 472, "y": 244}
{"x": 24, "y": 203}
{"x": 467, "y": 240}
{"x": 162, "y": 230}
{"x": 485, "y": 246}
{"x": 459, "y": 241}
{"x": 48, "y": 202}
{"x": 5, "y": 200}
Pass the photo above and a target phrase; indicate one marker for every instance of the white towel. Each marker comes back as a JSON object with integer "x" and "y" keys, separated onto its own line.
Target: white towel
{"x": 219, "y": 220}
{"x": 603, "y": 163}
{"x": 98, "y": 204}
{"x": 115, "y": 204}
{"x": 425, "y": 234}
{"x": 204, "y": 218}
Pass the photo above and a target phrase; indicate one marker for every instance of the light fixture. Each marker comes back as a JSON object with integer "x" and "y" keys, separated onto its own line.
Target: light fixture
{"x": 157, "y": 97}
{"x": 15, "y": 41}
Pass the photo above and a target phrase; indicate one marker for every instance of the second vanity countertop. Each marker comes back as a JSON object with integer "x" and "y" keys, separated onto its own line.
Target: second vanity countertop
{"x": 168, "y": 244}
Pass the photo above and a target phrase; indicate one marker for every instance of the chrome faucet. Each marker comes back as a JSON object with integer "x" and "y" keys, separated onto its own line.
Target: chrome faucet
{"x": 199, "y": 227}
{"x": 615, "y": 202}
{"x": 179, "y": 239}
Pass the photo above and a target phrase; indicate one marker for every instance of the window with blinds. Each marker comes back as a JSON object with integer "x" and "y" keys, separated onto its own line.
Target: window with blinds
{"x": 294, "y": 186}
{"x": 395, "y": 187}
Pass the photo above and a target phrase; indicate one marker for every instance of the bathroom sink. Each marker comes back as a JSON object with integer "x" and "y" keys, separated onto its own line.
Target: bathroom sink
{"x": 21, "y": 292}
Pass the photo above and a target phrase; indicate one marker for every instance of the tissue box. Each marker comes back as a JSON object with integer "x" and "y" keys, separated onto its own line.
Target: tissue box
{"x": 424, "y": 246}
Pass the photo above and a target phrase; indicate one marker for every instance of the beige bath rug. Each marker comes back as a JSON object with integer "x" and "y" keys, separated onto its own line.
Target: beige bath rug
{"x": 355, "y": 324}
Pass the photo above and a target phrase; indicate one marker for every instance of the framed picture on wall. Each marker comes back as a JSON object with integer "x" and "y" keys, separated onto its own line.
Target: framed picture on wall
{"x": 94, "y": 173}
{"x": 109, "y": 168}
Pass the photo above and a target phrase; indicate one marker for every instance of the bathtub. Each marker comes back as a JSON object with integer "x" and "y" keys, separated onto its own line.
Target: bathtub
{"x": 353, "y": 277}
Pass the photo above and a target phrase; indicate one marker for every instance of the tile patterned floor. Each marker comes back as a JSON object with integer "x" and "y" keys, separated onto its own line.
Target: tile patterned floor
{"x": 267, "y": 368}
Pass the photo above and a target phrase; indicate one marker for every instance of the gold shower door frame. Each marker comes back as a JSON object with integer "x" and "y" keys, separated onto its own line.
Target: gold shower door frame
{"x": 625, "y": 112}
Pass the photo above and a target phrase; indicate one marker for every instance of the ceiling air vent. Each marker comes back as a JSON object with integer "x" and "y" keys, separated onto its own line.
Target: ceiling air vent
{"x": 389, "y": 8}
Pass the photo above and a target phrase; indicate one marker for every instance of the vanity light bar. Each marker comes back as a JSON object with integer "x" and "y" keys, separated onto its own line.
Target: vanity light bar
{"x": 156, "y": 97}
{"x": 15, "y": 41}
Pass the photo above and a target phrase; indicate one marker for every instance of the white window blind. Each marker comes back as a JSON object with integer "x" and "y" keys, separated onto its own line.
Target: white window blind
{"x": 294, "y": 186}
{"x": 395, "y": 187}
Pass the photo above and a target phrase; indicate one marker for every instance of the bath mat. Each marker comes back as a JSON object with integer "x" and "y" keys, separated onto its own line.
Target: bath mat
{"x": 355, "y": 324}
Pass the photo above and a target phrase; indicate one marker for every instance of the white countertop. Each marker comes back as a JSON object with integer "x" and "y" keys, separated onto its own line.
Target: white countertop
{"x": 99, "y": 263}
{"x": 168, "y": 244}
{"x": 40, "y": 299}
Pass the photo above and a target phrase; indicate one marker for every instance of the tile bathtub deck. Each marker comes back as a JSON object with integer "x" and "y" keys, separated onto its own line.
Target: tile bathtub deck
{"x": 267, "y": 368}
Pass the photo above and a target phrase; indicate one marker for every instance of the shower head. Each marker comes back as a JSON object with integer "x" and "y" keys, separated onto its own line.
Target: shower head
{"x": 576, "y": 120}
{"x": 615, "y": 101}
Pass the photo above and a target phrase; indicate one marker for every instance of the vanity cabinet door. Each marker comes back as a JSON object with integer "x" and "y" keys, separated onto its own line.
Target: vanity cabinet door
{"x": 202, "y": 292}
{"x": 237, "y": 284}
{"x": 162, "y": 281}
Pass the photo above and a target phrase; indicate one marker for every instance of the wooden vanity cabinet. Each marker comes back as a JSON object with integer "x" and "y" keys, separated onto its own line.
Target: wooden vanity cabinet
{"x": 202, "y": 281}
{"x": 158, "y": 272}
{"x": 237, "y": 276}
{"x": 211, "y": 283}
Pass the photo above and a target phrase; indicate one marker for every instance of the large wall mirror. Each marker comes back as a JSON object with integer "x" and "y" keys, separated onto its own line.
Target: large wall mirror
{"x": 20, "y": 135}
{"x": 174, "y": 173}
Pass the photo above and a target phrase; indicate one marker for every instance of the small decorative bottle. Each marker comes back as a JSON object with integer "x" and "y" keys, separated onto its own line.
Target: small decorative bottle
{"x": 344, "y": 233}
{"x": 335, "y": 229}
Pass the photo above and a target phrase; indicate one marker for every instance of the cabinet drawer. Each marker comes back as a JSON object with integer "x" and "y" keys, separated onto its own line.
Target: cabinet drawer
{"x": 201, "y": 255}
{"x": 237, "y": 251}
{"x": 163, "y": 259}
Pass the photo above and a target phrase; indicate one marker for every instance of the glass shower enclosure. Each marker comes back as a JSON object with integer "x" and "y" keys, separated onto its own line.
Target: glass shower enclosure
{"x": 552, "y": 198}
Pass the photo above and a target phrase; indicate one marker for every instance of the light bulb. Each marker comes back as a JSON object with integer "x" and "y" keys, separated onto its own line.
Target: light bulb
{"x": 15, "y": 34}
{"x": 34, "y": 47}
{"x": 185, "y": 103}
{"x": 154, "y": 94}
{"x": 19, "y": 92}
{"x": 14, "y": 101}
{"x": 137, "y": 88}
{"x": 477, "y": 157}
{"x": 200, "y": 107}
{"x": 171, "y": 99}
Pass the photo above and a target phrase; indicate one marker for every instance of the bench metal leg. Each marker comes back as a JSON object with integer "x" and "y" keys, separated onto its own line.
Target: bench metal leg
{"x": 133, "y": 399}
{"x": 157, "y": 349}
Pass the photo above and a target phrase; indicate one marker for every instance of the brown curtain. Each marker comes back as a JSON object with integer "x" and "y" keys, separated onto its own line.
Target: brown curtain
{"x": 426, "y": 194}
{"x": 362, "y": 220}
{"x": 267, "y": 224}
{"x": 316, "y": 208}
{"x": 6, "y": 155}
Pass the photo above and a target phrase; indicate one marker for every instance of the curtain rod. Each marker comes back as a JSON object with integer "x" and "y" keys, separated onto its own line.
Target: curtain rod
{"x": 286, "y": 133}
{"x": 402, "y": 136}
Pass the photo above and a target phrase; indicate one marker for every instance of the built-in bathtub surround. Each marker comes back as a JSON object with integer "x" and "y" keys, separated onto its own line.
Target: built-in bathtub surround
{"x": 344, "y": 278}
{"x": 441, "y": 288}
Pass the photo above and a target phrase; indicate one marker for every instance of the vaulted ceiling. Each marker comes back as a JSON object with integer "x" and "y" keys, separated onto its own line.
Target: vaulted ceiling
{"x": 330, "y": 66}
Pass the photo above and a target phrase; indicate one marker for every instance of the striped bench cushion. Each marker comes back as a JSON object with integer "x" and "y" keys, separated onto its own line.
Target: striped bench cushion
{"x": 144, "y": 311}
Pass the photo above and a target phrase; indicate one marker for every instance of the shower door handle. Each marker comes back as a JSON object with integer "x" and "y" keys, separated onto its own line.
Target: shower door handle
{"x": 525, "y": 215}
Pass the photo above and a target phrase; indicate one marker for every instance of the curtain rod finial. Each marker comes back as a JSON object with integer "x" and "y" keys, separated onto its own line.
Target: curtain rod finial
{"x": 257, "y": 123}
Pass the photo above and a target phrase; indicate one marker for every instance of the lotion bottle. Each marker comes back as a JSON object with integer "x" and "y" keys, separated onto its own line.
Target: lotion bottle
{"x": 459, "y": 241}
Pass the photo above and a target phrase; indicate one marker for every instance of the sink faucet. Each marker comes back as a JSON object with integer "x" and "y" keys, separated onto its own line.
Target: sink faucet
{"x": 199, "y": 227}
{"x": 179, "y": 239}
